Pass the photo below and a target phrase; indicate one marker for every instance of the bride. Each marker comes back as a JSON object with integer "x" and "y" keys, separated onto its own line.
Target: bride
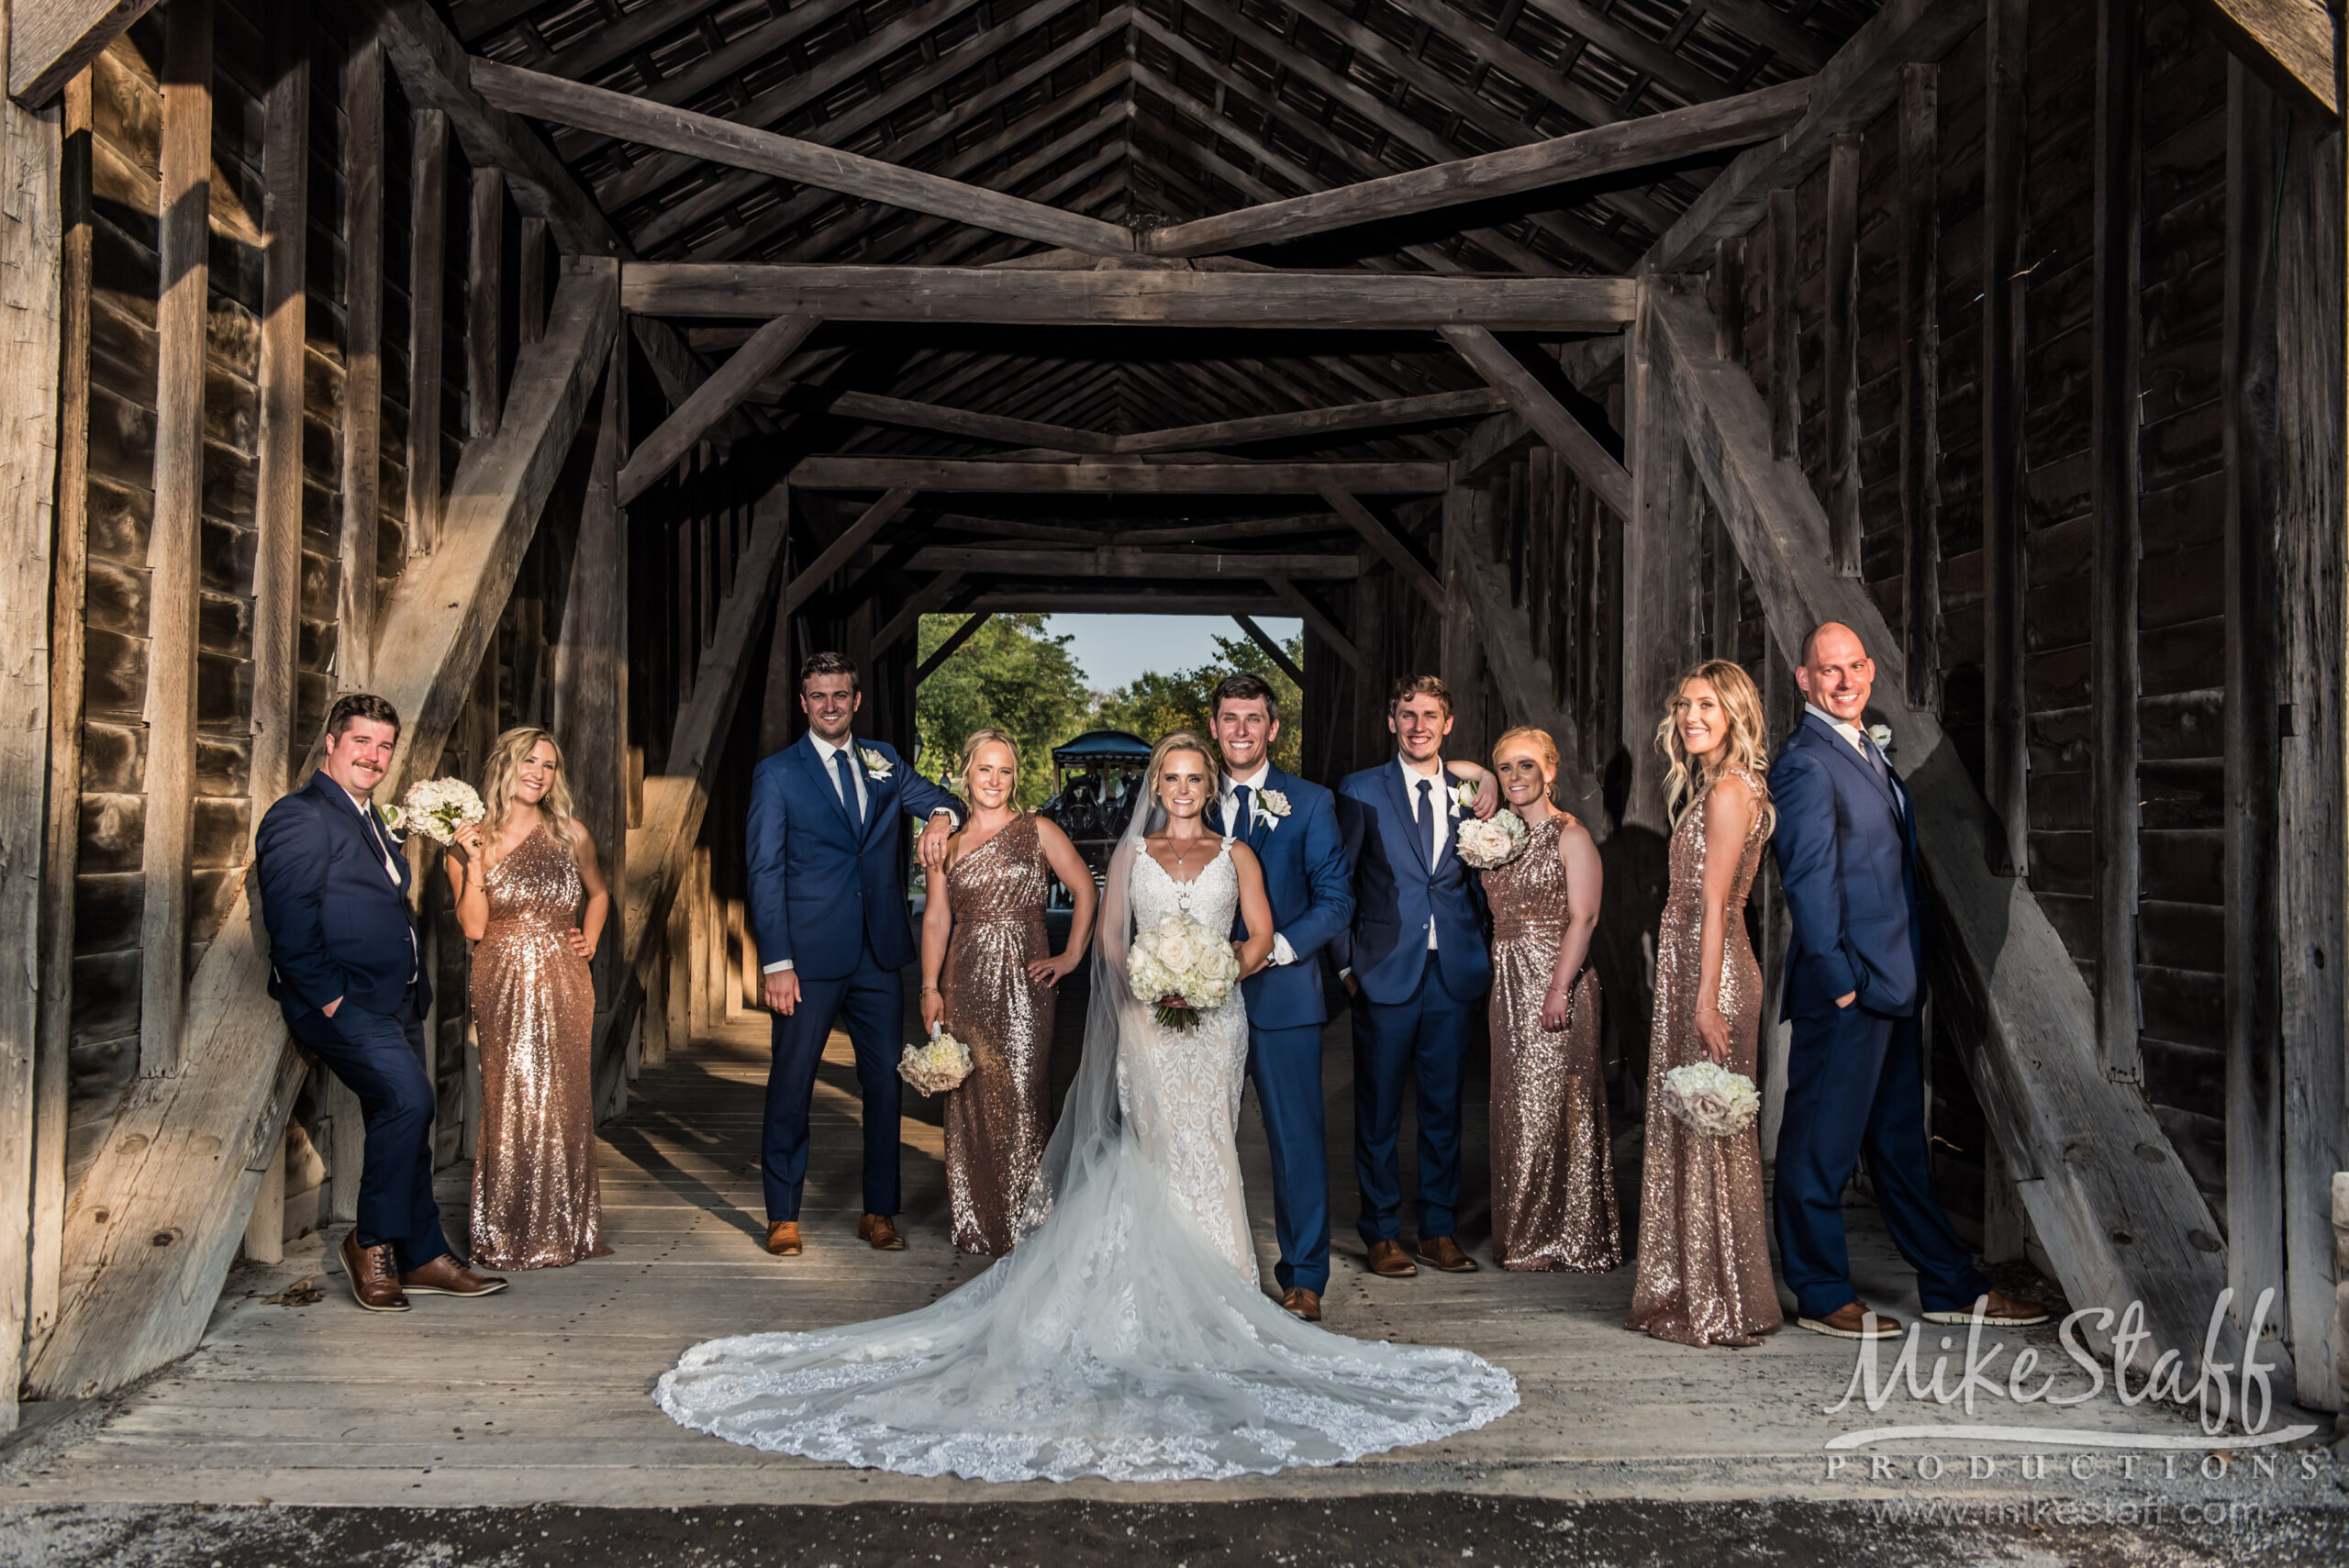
{"x": 1126, "y": 1336}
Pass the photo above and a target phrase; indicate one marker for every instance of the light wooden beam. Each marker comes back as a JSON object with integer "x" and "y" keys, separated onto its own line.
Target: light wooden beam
{"x": 1114, "y": 478}
{"x": 711, "y": 402}
{"x": 1378, "y": 301}
{"x": 2121, "y": 1217}
{"x": 1122, "y": 560}
{"x": 1855, "y": 85}
{"x": 716, "y": 141}
{"x": 156, "y": 1221}
{"x": 2287, "y": 44}
{"x": 51, "y": 40}
{"x": 1272, "y": 650}
{"x": 1429, "y": 408}
{"x": 1559, "y": 429}
{"x": 1604, "y": 150}
{"x": 837, "y": 554}
{"x": 953, "y": 645}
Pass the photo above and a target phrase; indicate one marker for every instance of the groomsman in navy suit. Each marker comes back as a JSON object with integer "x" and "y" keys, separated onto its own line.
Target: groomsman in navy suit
{"x": 344, "y": 968}
{"x": 1417, "y": 963}
{"x": 1293, "y": 828}
{"x": 1847, "y": 844}
{"x": 828, "y": 906}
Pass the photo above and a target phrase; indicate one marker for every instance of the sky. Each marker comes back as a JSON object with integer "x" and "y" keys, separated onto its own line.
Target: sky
{"x": 1113, "y": 650}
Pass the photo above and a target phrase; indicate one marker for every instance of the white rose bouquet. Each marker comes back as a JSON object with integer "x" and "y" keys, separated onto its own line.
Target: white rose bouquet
{"x": 1490, "y": 842}
{"x": 440, "y": 806}
{"x": 1183, "y": 969}
{"x": 940, "y": 1063}
{"x": 1711, "y": 1099}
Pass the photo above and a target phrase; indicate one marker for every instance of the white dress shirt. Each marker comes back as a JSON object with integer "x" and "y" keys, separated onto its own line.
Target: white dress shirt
{"x": 1851, "y": 732}
{"x": 1438, "y": 802}
{"x": 825, "y": 752}
{"x": 1281, "y": 952}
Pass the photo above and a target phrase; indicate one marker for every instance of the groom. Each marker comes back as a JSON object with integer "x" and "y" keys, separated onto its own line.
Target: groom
{"x": 1293, "y": 828}
{"x": 1855, "y": 968}
{"x": 827, "y": 906}
{"x": 1416, "y": 963}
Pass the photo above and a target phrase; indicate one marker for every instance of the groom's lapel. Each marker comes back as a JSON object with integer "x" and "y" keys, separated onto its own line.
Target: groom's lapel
{"x": 1414, "y": 832}
{"x": 822, "y": 781}
{"x": 875, "y": 810}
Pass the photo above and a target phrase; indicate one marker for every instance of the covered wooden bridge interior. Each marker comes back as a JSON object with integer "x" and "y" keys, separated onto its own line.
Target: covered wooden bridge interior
{"x": 587, "y": 362}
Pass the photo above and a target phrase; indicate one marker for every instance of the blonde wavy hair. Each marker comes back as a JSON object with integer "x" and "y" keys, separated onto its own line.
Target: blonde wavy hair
{"x": 1181, "y": 740}
{"x": 971, "y": 744}
{"x": 497, "y": 786}
{"x": 1746, "y": 748}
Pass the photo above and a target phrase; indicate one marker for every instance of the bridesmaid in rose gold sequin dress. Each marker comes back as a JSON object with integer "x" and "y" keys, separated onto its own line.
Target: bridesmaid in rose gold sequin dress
{"x": 988, "y": 977}
{"x": 537, "y": 1201}
{"x": 1553, "y": 1173}
{"x": 1704, "y": 1256}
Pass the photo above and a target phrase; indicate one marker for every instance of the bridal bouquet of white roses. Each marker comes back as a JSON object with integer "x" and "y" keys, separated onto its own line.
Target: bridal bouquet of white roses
{"x": 1183, "y": 969}
{"x": 1711, "y": 1099}
{"x": 937, "y": 1065}
{"x": 440, "y": 806}
{"x": 1487, "y": 842}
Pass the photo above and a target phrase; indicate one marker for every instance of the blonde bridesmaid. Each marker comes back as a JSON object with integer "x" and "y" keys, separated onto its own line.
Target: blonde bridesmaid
{"x": 1704, "y": 1259}
{"x": 521, "y": 876}
{"x": 988, "y": 977}
{"x": 1554, "y": 1176}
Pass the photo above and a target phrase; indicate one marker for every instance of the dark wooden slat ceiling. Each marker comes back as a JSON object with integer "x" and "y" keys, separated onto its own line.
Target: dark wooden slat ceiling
{"x": 1146, "y": 112}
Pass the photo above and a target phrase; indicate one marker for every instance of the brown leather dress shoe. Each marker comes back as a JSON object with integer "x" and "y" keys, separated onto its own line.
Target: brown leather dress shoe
{"x": 1850, "y": 1321}
{"x": 1388, "y": 1260}
{"x": 882, "y": 1231}
{"x": 783, "y": 1239}
{"x": 374, "y": 1277}
{"x": 446, "y": 1276}
{"x": 1444, "y": 1252}
{"x": 1994, "y": 1311}
{"x": 1299, "y": 1302}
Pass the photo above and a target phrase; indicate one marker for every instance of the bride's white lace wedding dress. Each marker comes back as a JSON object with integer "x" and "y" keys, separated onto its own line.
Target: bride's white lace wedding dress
{"x": 1127, "y": 1335}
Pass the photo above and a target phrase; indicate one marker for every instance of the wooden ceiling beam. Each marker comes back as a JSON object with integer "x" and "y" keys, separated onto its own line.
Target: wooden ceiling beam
{"x": 964, "y": 422}
{"x": 1429, "y": 408}
{"x": 2286, "y": 43}
{"x": 1129, "y": 561}
{"x": 1107, "y": 126}
{"x": 711, "y": 402}
{"x": 837, "y": 554}
{"x": 1360, "y": 301}
{"x": 1559, "y": 429}
{"x": 717, "y": 140}
{"x": 953, "y": 645}
{"x": 1272, "y": 650}
{"x": 1855, "y": 87}
{"x": 1605, "y": 150}
{"x": 49, "y": 43}
{"x": 1131, "y": 601}
{"x": 1293, "y": 599}
{"x": 1096, "y": 477}
{"x": 1383, "y": 540}
{"x": 1089, "y": 534}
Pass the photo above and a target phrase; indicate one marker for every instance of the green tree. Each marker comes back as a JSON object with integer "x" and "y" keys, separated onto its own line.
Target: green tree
{"x": 1155, "y": 704}
{"x": 1013, "y": 675}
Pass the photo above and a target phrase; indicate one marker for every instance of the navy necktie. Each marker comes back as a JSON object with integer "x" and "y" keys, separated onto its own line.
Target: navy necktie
{"x": 1240, "y": 822}
{"x": 1427, "y": 819}
{"x": 848, "y": 789}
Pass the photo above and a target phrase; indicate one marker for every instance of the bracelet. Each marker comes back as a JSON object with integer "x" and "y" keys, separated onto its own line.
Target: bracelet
{"x": 932, "y": 990}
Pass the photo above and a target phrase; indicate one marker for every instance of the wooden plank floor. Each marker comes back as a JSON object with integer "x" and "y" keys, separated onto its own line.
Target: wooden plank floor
{"x": 541, "y": 1394}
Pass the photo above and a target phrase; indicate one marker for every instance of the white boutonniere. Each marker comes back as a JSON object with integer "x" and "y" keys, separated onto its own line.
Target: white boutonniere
{"x": 1272, "y": 803}
{"x": 1464, "y": 795}
{"x": 1882, "y": 735}
{"x": 877, "y": 766}
{"x": 393, "y": 820}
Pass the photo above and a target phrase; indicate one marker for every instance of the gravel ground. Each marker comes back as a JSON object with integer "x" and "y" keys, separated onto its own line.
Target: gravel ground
{"x": 1364, "y": 1533}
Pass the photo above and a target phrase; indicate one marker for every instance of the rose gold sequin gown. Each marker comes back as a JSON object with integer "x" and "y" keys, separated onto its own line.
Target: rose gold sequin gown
{"x": 536, "y": 1204}
{"x": 997, "y": 1120}
{"x": 1554, "y": 1175}
{"x": 1704, "y": 1260}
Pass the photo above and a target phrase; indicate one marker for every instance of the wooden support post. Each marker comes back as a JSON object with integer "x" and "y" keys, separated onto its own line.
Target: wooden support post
{"x": 484, "y": 294}
{"x": 265, "y": 1228}
{"x": 1659, "y": 586}
{"x": 284, "y": 353}
{"x": 362, "y": 370}
{"x": 1728, "y": 296}
{"x": 1785, "y": 367}
{"x": 2116, "y": 345}
{"x": 428, "y": 300}
{"x": 1840, "y": 343}
{"x": 2006, "y": 758}
{"x": 32, "y": 263}
{"x": 52, "y": 1065}
{"x": 1464, "y": 505}
{"x": 181, "y": 317}
{"x": 1920, "y": 358}
{"x": 2258, "y": 131}
{"x": 531, "y": 286}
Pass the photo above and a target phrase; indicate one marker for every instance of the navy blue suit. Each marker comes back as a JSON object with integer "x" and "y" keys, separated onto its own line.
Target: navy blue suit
{"x": 828, "y": 894}
{"x": 1413, "y": 1018}
{"x": 1308, "y": 882}
{"x": 1847, "y": 858}
{"x": 338, "y": 927}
